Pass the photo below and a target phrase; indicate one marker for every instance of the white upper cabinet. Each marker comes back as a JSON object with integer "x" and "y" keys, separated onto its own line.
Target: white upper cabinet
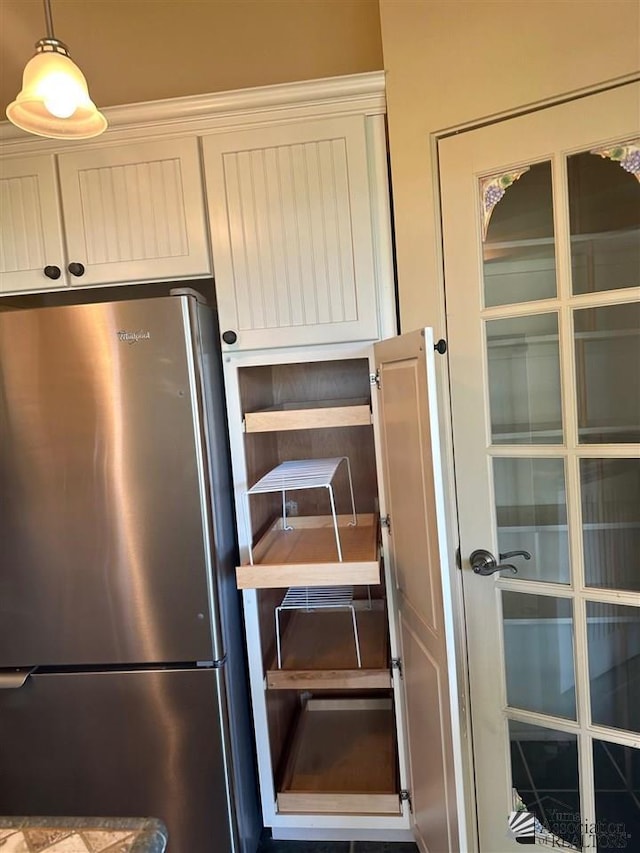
{"x": 31, "y": 245}
{"x": 136, "y": 211}
{"x": 132, "y": 212}
{"x": 290, "y": 210}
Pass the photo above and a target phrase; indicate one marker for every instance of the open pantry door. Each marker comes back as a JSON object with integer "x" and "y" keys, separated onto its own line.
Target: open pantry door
{"x": 416, "y": 549}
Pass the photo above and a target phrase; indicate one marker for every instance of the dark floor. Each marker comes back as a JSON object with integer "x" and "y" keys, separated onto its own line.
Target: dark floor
{"x": 545, "y": 774}
{"x": 269, "y": 845}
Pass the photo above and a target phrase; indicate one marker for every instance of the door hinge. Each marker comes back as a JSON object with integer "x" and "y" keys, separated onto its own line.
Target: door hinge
{"x": 374, "y": 379}
{"x": 405, "y": 797}
{"x": 385, "y": 521}
{"x": 396, "y": 663}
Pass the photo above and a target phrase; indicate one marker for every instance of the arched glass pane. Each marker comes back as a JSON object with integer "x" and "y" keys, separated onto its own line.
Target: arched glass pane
{"x": 604, "y": 214}
{"x": 519, "y": 245}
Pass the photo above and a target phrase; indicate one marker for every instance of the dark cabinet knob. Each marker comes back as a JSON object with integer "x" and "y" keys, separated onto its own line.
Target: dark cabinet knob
{"x": 229, "y": 337}
{"x": 76, "y": 269}
{"x": 52, "y": 272}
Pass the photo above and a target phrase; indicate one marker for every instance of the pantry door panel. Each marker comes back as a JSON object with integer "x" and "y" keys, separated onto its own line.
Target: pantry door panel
{"x": 417, "y": 551}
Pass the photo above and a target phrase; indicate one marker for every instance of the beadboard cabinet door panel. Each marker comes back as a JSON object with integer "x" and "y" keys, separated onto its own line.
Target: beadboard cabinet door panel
{"x": 291, "y": 220}
{"x": 135, "y": 212}
{"x": 30, "y": 225}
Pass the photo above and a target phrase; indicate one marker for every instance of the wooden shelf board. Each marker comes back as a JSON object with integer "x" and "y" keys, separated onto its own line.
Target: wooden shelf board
{"x": 318, "y": 652}
{"x": 298, "y": 803}
{"x": 316, "y": 415}
{"x": 342, "y": 760}
{"x": 307, "y": 555}
{"x": 340, "y": 679}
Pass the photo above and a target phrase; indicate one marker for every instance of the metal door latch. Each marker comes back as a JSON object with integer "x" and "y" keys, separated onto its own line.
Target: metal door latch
{"x": 484, "y": 563}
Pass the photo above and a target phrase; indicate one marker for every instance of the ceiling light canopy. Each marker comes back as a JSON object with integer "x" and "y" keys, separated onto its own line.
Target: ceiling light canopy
{"x": 54, "y": 100}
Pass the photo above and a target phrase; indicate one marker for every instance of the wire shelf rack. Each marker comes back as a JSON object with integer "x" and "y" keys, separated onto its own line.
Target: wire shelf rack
{"x": 309, "y": 474}
{"x": 303, "y": 474}
{"x": 318, "y": 598}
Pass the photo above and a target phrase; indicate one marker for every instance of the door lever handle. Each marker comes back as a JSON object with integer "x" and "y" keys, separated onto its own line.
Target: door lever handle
{"x": 508, "y": 554}
{"x": 484, "y": 563}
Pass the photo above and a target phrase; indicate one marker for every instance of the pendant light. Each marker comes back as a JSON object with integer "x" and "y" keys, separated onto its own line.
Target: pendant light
{"x": 54, "y": 100}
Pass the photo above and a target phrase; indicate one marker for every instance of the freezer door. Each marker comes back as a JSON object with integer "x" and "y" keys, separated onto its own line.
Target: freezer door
{"x": 125, "y": 744}
{"x": 102, "y": 480}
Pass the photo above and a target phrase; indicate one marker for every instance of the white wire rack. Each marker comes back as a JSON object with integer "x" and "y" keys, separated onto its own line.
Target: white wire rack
{"x": 309, "y": 474}
{"x": 302, "y": 474}
{"x": 318, "y": 598}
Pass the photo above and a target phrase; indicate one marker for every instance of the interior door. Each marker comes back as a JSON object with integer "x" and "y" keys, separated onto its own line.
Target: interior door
{"x": 541, "y": 226}
{"x": 417, "y": 549}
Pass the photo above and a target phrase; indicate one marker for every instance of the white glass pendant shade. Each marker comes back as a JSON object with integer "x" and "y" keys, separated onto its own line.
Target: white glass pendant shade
{"x": 54, "y": 100}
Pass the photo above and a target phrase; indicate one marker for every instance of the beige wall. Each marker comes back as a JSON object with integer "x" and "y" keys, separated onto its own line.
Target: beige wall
{"x": 456, "y": 61}
{"x": 140, "y": 50}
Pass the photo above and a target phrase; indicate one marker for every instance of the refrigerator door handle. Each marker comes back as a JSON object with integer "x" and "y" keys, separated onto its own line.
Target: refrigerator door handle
{"x": 15, "y": 678}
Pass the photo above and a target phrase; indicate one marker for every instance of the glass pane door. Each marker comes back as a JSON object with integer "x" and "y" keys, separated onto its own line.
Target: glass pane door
{"x": 531, "y": 405}
{"x": 543, "y": 301}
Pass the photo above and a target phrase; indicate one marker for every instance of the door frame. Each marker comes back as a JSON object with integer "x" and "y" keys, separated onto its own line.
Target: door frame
{"x": 450, "y": 482}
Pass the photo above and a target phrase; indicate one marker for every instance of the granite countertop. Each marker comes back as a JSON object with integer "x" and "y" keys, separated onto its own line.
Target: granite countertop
{"x": 81, "y": 835}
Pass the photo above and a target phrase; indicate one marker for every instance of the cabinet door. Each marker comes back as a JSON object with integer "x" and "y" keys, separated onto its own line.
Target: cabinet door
{"x": 417, "y": 549}
{"x": 30, "y": 227}
{"x": 290, "y": 214}
{"x": 135, "y": 212}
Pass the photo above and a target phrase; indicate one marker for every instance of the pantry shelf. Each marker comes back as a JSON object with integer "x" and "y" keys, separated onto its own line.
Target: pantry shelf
{"x": 318, "y": 652}
{"x": 343, "y": 759}
{"x": 313, "y": 415}
{"x": 304, "y": 554}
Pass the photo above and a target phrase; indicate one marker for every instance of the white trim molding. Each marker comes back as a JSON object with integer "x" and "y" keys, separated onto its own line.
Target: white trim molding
{"x": 224, "y": 111}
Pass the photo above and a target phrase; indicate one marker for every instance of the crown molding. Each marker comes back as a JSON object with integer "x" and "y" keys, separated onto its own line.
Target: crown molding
{"x": 353, "y": 93}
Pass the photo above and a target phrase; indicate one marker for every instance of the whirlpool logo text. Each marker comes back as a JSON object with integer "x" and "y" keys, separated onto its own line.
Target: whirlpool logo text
{"x": 133, "y": 337}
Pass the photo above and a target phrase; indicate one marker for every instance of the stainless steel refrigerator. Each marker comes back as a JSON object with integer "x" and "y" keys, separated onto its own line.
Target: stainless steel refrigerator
{"x": 122, "y": 673}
